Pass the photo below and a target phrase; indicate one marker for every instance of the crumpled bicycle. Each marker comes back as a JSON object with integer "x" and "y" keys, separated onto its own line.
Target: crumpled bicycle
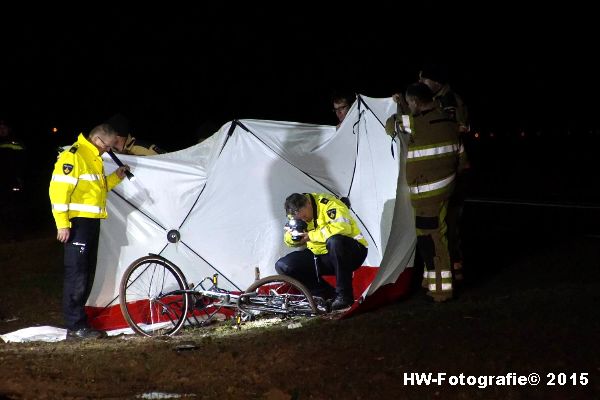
{"x": 157, "y": 300}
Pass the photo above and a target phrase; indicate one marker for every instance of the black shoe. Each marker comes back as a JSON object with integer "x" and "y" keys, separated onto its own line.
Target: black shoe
{"x": 326, "y": 297}
{"x": 85, "y": 333}
{"x": 341, "y": 302}
{"x": 324, "y": 291}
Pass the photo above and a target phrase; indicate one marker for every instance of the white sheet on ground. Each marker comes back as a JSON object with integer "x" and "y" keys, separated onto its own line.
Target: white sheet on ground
{"x": 48, "y": 334}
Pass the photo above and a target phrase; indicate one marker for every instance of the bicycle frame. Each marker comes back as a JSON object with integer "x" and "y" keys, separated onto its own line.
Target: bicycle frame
{"x": 154, "y": 293}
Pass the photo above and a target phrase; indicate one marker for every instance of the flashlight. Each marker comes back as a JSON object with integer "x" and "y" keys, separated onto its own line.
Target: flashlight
{"x": 120, "y": 164}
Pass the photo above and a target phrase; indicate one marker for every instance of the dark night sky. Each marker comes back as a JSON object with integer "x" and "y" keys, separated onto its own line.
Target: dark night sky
{"x": 173, "y": 71}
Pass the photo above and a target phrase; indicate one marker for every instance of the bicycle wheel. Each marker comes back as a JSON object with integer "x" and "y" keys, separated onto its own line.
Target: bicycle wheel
{"x": 277, "y": 294}
{"x": 153, "y": 298}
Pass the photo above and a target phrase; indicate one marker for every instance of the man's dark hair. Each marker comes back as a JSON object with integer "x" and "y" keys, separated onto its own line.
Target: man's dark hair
{"x": 342, "y": 96}
{"x": 294, "y": 202}
{"x": 420, "y": 91}
{"x": 120, "y": 124}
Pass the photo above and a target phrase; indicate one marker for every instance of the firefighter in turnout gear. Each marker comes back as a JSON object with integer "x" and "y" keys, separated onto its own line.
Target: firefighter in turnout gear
{"x": 78, "y": 191}
{"x": 435, "y": 76}
{"x": 431, "y": 167}
{"x": 334, "y": 246}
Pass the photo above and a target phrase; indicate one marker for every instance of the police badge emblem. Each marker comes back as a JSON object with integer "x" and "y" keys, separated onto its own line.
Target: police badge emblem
{"x": 331, "y": 213}
{"x": 67, "y": 168}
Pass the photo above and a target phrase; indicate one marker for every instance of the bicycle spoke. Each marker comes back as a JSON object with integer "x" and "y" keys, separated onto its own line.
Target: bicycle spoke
{"x": 153, "y": 297}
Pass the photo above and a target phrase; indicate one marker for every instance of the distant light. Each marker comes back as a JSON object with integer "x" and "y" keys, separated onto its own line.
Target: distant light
{"x": 55, "y": 130}
{"x": 523, "y": 134}
{"x": 476, "y": 135}
{"x": 492, "y": 134}
{"x": 16, "y": 189}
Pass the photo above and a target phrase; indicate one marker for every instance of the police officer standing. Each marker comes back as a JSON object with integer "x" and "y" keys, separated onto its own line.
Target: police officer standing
{"x": 127, "y": 144}
{"x": 431, "y": 168}
{"x": 78, "y": 191}
{"x": 334, "y": 246}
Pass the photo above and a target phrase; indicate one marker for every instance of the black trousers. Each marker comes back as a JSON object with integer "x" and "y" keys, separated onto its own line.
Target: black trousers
{"x": 344, "y": 256}
{"x": 80, "y": 265}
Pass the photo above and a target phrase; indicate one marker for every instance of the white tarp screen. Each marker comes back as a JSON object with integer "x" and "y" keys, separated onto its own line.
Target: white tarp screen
{"x": 225, "y": 197}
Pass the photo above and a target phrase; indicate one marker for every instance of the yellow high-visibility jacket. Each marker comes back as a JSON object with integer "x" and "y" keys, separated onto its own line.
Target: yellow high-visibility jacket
{"x": 79, "y": 187}
{"x": 332, "y": 218}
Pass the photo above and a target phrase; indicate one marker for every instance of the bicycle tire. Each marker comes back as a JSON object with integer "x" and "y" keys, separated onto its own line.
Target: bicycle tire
{"x": 152, "y": 297}
{"x": 279, "y": 295}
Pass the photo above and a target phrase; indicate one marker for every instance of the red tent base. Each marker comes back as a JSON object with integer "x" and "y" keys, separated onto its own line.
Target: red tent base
{"x": 106, "y": 318}
{"x": 386, "y": 294}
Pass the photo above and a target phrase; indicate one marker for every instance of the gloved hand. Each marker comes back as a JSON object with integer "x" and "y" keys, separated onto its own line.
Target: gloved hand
{"x": 390, "y": 126}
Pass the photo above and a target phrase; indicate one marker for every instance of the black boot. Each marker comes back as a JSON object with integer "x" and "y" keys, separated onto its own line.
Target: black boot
{"x": 342, "y": 302}
{"x": 85, "y": 333}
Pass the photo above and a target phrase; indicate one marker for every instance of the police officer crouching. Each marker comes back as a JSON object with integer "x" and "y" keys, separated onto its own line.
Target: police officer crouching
{"x": 334, "y": 246}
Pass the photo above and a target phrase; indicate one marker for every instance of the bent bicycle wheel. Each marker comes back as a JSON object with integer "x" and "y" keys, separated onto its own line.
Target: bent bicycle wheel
{"x": 153, "y": 296}
{"x": 279, "y": 295}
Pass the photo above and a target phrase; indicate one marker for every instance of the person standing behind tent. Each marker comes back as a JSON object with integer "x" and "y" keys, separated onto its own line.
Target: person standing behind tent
{"x": 341, "y": 106}
{"x": 435, "y": 76}
{"x": 13, "y": 161}
{"x": 127, "y": 144}
{"x": 12, "y": 158}
{"x": 431, "y": 167}
{"x": 78, "y": 191}
{"x": 334, "y": 246}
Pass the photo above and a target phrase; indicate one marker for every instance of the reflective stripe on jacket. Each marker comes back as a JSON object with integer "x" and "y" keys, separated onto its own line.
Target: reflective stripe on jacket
{"x": 78, "y": 187}
{"x": 332, "y": 218}
{"x": 433, "y": 151}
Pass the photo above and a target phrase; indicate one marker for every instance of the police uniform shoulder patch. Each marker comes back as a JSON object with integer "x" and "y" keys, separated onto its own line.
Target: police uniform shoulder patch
{"x": 324, "y": 200}
{"x": 331, "y": 213}
{"x": 73, "y": 150}
{"x": 67, "y": 168}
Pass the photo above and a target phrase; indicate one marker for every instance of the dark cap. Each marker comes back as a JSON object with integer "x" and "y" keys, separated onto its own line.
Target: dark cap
{"x": 435, "y": 72}
{"x": 120, "y": 124}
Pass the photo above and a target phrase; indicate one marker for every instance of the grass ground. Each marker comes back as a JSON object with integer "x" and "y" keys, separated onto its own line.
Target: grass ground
{"x": 529, "y": 305}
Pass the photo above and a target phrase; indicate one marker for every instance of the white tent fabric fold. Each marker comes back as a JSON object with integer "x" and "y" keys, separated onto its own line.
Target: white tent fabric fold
{"x": 225, "y": 198}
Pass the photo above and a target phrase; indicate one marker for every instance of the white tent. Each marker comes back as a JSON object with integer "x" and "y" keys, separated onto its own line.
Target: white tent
{"x": 225, "y": 198}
